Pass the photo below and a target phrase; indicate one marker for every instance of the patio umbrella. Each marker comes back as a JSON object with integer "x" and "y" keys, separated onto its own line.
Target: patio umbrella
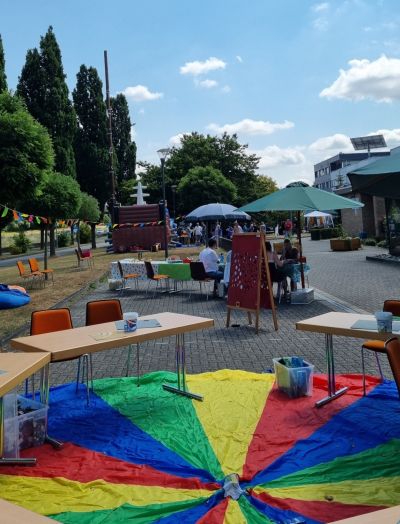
{"x": 299, "y": 196}
{"x": 379, "y": 178}
{"x": 217, "y": 211}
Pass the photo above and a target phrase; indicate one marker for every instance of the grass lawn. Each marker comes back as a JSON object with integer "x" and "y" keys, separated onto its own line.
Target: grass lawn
{"x": 67, "y": 280}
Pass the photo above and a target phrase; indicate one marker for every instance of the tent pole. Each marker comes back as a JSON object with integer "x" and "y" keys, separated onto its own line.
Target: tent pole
{"x": 303, "y": 284}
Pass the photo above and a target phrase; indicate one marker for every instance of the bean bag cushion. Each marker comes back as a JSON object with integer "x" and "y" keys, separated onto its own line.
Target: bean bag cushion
{"x": 11, "y": 298}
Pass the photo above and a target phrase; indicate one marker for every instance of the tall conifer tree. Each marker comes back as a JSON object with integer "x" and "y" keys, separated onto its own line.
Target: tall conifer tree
{"x": 3, "y": 77}
{"x": 42, "y": 85}
{"x": 125, "y": 148}
{"x": 91, "y": 146}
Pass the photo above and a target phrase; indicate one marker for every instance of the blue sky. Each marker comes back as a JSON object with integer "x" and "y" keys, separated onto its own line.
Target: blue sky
{"x": 293, "y": 78}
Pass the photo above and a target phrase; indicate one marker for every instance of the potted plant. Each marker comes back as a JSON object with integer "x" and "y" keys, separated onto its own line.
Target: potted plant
{"x": 344, "y": 242}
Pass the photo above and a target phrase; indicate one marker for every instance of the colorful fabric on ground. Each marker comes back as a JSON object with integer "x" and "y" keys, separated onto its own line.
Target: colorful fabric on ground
{"x": 144, "y": 455}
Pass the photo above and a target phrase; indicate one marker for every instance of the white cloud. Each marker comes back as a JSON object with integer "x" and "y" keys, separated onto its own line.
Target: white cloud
{"x": 133, "y": 133}
{"x": 392, "y": 136}
{"x": 336, "y": 143}
{"x": 176, "y": 139}
{"x": 273, "y": 156}
{"x": 197, "y": 67}
{"x": 248, "y": 126}
{"x": 323, "y": 6}
{"x": 226, "y": 89}
{"x": 239, "y": 59}
{"x": 141, "y": 111}
{"x": 320, "y": 24}
{"x": 141, "y": 93}
{"x": 207, "y": 83}
{"x": 377, "y": 80}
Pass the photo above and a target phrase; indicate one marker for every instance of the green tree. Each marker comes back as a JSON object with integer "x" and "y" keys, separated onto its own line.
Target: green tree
{"x": 125, "y": 190}
{"x": 89, "y": 210}
{"x": 43, "y": 87}
{"x": 3, "y": 77}
{"x": 125, "y": 148}
{"x": 203, "y": 185}
{"x": 224, "y": 153}
{"x": 91, "y": 149}
{"x": 59, "y": 196}
{"x": 151, "y": 177}
{"x": 26, "y": 153}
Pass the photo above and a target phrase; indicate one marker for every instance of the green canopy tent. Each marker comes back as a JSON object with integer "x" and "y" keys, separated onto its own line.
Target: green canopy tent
{"x": 299, "y": 196}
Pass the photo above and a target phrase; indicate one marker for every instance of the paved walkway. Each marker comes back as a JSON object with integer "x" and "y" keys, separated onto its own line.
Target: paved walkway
{"x": 347, "y": 282}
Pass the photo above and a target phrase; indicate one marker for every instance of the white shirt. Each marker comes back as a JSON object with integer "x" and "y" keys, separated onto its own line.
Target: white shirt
{"x": 198, "y": 230}
{"x": 210, "y": 259}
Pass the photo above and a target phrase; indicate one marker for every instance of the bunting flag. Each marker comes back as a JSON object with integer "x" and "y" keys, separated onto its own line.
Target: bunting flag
{"x": 20, "y": 217}
{"x": 4, "y": 213}
{"x": 144, "y": 455}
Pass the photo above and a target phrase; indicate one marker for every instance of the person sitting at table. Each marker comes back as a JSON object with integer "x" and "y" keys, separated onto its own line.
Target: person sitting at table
{"x": 290, "y": 255}
{"x": 210, "y": 262}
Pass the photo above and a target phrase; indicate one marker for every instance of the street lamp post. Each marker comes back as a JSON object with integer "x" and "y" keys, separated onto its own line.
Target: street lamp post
{"x": 173, "y": 189}
{"x": 163, "y": 153}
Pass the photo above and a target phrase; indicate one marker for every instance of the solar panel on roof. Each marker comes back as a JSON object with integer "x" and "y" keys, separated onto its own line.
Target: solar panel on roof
{"x": 368, "y": 142}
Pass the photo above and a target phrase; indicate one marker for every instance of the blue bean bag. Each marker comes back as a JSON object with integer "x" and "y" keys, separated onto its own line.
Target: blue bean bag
{"x": 10, "y": 298}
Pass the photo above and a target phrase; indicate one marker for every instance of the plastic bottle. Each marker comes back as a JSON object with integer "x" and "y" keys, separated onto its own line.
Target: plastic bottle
{"x": 221, "y": 258}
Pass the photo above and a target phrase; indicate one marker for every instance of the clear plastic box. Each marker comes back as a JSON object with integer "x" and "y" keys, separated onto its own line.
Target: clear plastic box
{"x": 26, "y": 430}
{"x": 296, "y": 381}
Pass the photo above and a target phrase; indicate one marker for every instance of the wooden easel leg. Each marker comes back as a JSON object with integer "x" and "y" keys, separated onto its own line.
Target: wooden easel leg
{"x": 228, "y": 317}
{"x": 275, "y": 319}
{"x": 249, "y": 317}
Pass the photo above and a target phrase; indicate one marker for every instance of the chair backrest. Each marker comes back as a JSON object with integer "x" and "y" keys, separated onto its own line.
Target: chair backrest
{"x": 275, "y": 275}
{"x": 393, "y": 352}
{"x": 197, "y": 271}
{"x": 78, "y": 255}
{"x": 100, "y": 311}
{"x": 149, "y": 269}
{"x": 21, "y": 268}
{"x": 49, "y": 320}
{"x": 393, "y": 306}
{"x": 120, "y": 269}
{"x": 33, "y": 264}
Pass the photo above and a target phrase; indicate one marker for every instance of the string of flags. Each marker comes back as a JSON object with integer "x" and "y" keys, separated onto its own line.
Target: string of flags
{"x": 144, "y": 224}
{"x": 26, "y": 217}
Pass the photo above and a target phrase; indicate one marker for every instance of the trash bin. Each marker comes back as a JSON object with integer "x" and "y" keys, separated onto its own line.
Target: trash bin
{"x": 294, "y": 376}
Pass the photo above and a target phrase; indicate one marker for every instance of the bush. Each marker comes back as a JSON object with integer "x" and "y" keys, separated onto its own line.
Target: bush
{"x": 20, "y": 244}
{"x": 64, "y": 239}
{"x": 382, "y": 243}
{"x": 85, "y": 234}
{"x": 370, "y": 242}
{"x": 15, "y": 226}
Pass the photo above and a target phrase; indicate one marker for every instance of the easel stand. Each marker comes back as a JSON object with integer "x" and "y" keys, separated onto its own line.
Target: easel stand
{"x": 250, "y": 287}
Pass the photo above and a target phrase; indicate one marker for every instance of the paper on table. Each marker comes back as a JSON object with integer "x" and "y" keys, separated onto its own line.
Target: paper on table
{"x": 370, "y": 325}
{"x": 141, "y": 323}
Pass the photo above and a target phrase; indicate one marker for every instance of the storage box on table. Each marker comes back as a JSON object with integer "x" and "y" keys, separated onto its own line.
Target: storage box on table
{"x": 294, "y": 376}
{"x": 25, "y": 424}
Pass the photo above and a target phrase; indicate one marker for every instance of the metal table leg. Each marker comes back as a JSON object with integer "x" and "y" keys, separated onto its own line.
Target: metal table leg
{"x": 181, "y": 371}
{"x": 330, "y": 362}
{"x": 44, "y": 398}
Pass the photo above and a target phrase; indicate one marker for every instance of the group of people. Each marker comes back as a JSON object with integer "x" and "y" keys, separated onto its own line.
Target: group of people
{"x": 284, "y": 263}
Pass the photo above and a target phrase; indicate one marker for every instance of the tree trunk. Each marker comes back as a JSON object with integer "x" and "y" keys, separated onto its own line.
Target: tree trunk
{"x": 45, "y": 247}
{"x": 78, "y": 235}
{"x": 93, "y": 231}
{"x": 52, "y": 240}
{"x": 72, "y": 234}
{"x": 42, "y": 228}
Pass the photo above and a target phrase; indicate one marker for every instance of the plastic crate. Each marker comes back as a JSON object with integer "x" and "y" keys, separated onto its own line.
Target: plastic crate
{"x": 296, "y": 380}
{"x": 26, "y": 430}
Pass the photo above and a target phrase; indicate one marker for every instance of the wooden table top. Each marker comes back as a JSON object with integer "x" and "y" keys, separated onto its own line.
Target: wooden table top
{"x": 384, "y": 516}
{"x": 340, "y": 324}
{"x": 72, "y": 343}
{"x": 12, "y": 514}
{"x": 18, "y": 367}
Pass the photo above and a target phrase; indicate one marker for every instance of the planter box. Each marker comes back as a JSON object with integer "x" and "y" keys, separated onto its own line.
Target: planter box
{"x": 315, "y": 234}
{"x": 355, "y": 243}
{"x": 340, "y": 244}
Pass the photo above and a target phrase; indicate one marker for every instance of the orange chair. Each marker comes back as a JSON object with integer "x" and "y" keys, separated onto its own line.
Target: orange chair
{"x": 392, "y": 347}
{"x": 155, "y": 278}
{"x": 378, "y": 346}
{"x": 50, "y": 320}
{"x": 33, "y": 263}
{"x": 125, "y": 277}
{"x": 101, "y": 311}
{"x": 29, "y": 277}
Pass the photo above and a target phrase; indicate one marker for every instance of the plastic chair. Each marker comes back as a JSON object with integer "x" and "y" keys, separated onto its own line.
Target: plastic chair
{"x": 198, "y": 274}
{"x": 126, "y": 277}
{"x": 86, "y": 254}
{"x": 29, "y": 277}
{"x": 279, "y": 278}
{"x": 152, "y": 277}
{"x": 392, "y": 348}
{"x": 50, "y": 320}
{"x": 33, "y": 264}
{"x": 102, "y": 311}
{"x": 88, "y": 260}
{"x": 378, "y": 346}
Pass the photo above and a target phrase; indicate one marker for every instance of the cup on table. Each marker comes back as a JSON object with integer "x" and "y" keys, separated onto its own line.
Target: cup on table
{"x": 384, "y": 320}
{"x": 130, "y": 321}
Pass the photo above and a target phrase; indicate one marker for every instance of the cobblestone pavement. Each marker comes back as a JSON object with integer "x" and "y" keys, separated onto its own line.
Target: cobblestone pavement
{"x": 347, "y": 283}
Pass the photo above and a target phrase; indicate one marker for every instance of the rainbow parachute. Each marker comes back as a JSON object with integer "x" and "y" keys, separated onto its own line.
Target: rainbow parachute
{"x": 144, "y": 455}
